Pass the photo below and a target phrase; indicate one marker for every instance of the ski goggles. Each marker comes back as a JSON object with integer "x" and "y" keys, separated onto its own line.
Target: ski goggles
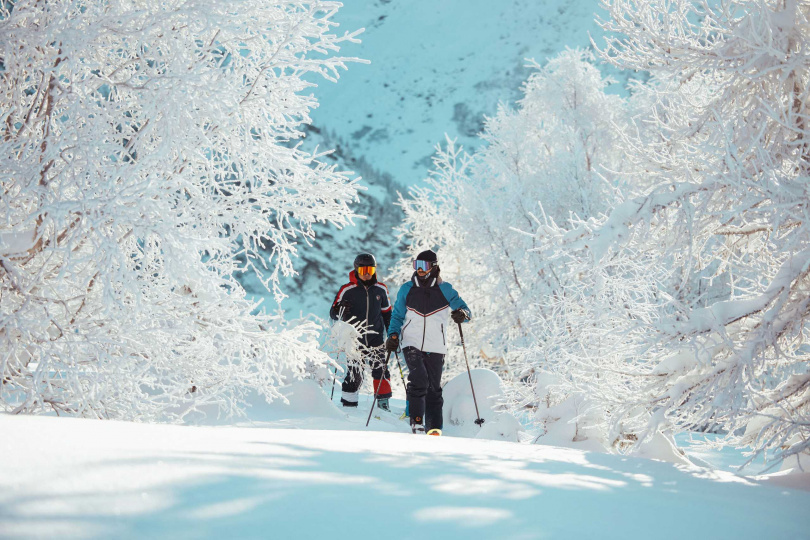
{"x": 366, "y": 270}
{"x": 424, "y": 265}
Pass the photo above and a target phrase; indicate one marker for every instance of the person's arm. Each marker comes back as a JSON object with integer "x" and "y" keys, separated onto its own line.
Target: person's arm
{"x": 334, "y": 311}
{"x": 386, "y": 317}
{"x": 386, "y": 308}
{"x": 399, "y": 311}
{"x": 339, "y": 303}
{"x": 455, "y": 301}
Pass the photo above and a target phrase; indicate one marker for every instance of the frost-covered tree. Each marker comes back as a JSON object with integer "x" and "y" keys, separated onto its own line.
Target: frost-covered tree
{"x": 723, "y": 229}
{"x": 146, "y": 155}
{"x": 559, "y": 146}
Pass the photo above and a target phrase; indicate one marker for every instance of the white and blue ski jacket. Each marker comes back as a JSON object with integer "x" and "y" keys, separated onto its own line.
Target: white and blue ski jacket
{"x": 422, "y": 314}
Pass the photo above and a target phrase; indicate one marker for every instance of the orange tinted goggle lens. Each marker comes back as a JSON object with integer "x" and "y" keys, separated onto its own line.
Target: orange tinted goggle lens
{"x": 366, "y": 270}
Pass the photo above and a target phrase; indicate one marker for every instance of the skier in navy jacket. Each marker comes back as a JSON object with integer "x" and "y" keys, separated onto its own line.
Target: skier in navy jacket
{"x": 419, "y": 325}
{"x": 365, "y": 299}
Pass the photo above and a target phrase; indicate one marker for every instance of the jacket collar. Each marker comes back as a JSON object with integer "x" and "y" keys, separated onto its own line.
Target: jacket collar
{"x": 432, "y": 281}
{"x": 357, "y": 281}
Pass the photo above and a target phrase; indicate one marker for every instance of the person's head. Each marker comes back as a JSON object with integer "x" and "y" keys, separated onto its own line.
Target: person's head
{"x": 425, "y": 263}
{"x": 365, "y": 266}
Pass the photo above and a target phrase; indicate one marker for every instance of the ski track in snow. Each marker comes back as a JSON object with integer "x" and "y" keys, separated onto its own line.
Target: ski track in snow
{"x": 72, "y": 478}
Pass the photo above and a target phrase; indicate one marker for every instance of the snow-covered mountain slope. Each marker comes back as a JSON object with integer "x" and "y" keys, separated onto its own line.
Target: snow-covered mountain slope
{"x": 436, "y": 68}
{"x": 324, "y": 266}
{"x": 439, "y": 67}
{"x": 71, "y": 478}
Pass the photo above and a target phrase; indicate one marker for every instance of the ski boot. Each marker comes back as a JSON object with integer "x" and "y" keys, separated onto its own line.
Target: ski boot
{"x": 436, "y": 432}
{"x": 417, "y": 426}
{"x": 382, "y": 403}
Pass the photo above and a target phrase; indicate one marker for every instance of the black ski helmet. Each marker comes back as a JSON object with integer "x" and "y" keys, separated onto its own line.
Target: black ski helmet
{"x": 428, "y": 255}
{"x": 364, "y": 259}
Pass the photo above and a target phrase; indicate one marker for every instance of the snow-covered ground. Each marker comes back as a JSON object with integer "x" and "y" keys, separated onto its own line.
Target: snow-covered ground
{"x": 317, "y": 472}
{"x": 308, "y": 468}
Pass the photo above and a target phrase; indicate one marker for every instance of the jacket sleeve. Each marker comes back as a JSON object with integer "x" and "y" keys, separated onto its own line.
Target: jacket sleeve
{"x": 335, "y": 309}
{"x": 386, "y": 308}
{"x": 454, "y": 299}
{"x": 398, "y": 314}
{"x": 386, "y": 316}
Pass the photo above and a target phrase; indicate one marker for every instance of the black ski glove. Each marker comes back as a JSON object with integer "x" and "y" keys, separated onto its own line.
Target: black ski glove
{"x": 345, "y": 307}
{"x": 459, "y": 316}
{"x": 392, "y": 343}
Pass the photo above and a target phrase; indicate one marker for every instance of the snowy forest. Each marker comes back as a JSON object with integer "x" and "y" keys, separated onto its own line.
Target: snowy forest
{"x": 624, "y": 219}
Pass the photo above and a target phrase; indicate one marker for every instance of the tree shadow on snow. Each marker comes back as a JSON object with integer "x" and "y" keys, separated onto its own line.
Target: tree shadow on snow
{"x": 294, "y": 489}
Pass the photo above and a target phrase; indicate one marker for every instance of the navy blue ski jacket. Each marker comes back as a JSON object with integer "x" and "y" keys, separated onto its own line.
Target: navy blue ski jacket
{"x": 369, "y": 303}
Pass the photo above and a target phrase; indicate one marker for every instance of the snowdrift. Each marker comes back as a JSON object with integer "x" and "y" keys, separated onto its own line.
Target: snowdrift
{"x": 459, "y": 408}
{"x": 72, "y": 478}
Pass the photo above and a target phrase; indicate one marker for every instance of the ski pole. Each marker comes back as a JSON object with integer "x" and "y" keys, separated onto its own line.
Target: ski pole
{"x": 376, "y": 390}
{"x": 332, "y": 397}
{"x": 402, "y": 376}
{"x": 479, "y": 421}
{"x": 334, "y": 376}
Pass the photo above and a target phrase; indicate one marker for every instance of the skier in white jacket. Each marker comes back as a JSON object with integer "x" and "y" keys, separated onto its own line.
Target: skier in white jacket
{"x": 419, "y": 323}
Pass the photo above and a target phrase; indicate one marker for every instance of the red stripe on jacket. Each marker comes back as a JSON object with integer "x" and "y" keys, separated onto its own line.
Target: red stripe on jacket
{"x": 341, "y": 291}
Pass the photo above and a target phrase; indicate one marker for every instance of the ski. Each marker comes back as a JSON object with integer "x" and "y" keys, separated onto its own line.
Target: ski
{"x": 390, "y": 414}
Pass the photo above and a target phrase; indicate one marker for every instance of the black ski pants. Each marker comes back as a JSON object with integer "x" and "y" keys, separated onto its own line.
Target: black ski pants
{"x": 375, "y": 357}
{"x": 425, "y": 387}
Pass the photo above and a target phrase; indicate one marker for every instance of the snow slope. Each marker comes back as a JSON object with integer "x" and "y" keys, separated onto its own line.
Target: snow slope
{"x": 73, "y": 478}
{"x": 439, "y": 67}
{"x": 436, "y": 68}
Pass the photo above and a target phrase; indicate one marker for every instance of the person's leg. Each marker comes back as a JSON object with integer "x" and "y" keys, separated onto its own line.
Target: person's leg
{"x": 417, "y": 384}
{"x": 434, "y": 363}
{"x": 351, "y": 384}
{"x": 381, "y": 376}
